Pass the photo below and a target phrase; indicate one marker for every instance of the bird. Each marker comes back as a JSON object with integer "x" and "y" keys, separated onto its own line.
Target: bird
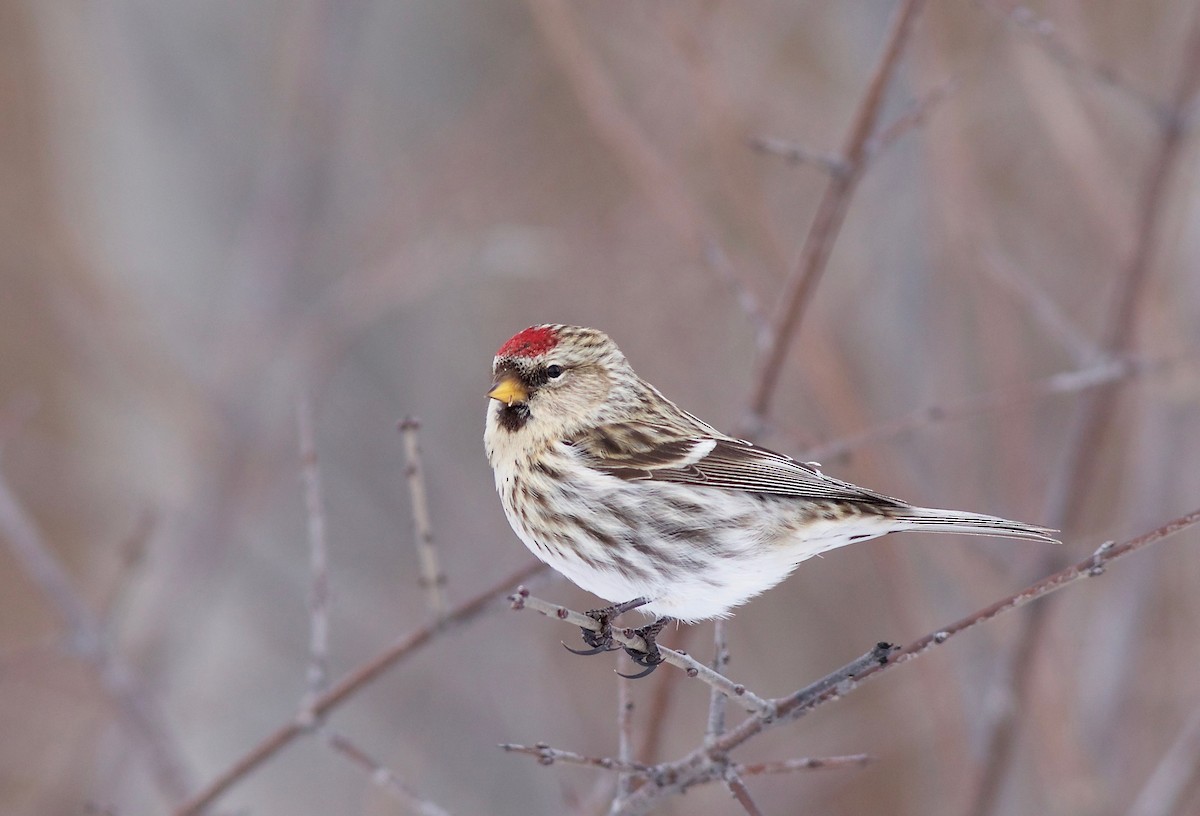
{"x": 639, "y": 502}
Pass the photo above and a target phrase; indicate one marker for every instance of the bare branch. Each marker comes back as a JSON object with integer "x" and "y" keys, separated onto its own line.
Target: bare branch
{"x": 831, "y": 213}
{"x": 383, "y": 777}
{"x": 624, "y": 735}
{"x": 626, "y": 637}
{"x": 139, "y": 714}
{"x": 546, "y": 755}
{"x": 318, "y": 552}
{"x": 432, "y": 577}
{"x": 349, "y": 685}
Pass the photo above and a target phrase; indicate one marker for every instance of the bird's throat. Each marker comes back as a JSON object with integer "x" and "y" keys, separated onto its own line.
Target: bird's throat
{"x": 513, "y": 417}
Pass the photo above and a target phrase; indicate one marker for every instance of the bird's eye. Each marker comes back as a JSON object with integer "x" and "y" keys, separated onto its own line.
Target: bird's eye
{"x": 554, "y": 371}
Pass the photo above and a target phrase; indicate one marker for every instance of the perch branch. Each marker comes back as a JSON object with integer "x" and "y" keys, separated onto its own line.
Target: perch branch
{"x": 626, "y": 637}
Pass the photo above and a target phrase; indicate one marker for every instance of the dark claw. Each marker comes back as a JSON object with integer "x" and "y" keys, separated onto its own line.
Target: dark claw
{"x": 652, "y": 656}
{"x": 640, "y": 674}
{"x": 601, "y": 640}
{"x": 591, "y": 651}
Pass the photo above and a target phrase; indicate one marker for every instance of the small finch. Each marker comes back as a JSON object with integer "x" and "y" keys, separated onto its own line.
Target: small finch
{"x": 639, "y": 502}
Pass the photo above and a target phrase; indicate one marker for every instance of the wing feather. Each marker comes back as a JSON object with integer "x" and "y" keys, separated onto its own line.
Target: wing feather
{"x": 720, "y": 462}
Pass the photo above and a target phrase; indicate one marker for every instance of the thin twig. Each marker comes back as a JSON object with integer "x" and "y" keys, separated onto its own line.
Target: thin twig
{"x": 432, "y": 577}
{"x": 831, "y": 213}
{"x": 661, "y": 696}
{"x": 1044, "y": 33}
{"x": 318, "y": 550}
{"x": 1043, "y": 308}
{"x": 349, "y": 685}
{"x": 546, "y": 755}
{"x": 139, "y": 713}
{"x": 916, "y": 115}
{"x": 627, "y": 637}
{"x": 383, "y": 777}
{"x": 624, "y": 735}
{"x": 796, "y": 153}
{"x": 716, "y": 700}
{"x": 741, "y": 795}
{"x": 805, "y": 764}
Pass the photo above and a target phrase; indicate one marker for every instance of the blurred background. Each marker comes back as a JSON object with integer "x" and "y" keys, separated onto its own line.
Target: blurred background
{"x": 211, "y": 212}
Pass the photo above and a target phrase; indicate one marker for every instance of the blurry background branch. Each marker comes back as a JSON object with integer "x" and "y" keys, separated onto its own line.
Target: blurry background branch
{"x": 138, "y": 712}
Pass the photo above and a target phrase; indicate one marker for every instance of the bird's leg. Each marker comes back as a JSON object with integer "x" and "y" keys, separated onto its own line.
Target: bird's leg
{"x": 652, "y": 656}
{"x": 601, "y": 640}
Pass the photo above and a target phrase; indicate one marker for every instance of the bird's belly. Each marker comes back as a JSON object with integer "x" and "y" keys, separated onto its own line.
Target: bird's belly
{"x": 695, "y": 552}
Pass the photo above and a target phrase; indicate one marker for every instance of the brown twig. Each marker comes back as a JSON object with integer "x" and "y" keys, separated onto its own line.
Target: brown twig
{"x": 349, "y": 685}
{"x": 318, "y": 550}
{"x": 741, "y": 795}
{"x": 831, "y": 213}
{"x": 383, "y": 777}
{"x": 432, "y": 577}
{"x": 139, "y": 714}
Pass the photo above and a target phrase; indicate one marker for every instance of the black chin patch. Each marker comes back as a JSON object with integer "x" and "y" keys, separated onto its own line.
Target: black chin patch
{"x": 513, "y": 417}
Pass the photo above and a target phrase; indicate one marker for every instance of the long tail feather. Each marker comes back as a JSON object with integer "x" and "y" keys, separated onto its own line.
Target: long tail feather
{"x": 955, "y": 521}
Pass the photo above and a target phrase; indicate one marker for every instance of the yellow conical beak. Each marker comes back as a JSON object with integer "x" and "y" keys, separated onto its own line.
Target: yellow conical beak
{"x": 508, "y": 389}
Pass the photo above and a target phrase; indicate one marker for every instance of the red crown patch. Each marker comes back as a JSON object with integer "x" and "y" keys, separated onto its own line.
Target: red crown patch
{"x": 529, "y": 343}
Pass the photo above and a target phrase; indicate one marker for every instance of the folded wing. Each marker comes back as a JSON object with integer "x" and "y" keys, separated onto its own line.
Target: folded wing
{"x": 721, "y": 462}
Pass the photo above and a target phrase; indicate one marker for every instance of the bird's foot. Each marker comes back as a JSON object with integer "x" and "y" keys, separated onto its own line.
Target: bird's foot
{"x": 601, "y": 639}
{"x": 652, "y": 656}
{"x": 598, "y": 640}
